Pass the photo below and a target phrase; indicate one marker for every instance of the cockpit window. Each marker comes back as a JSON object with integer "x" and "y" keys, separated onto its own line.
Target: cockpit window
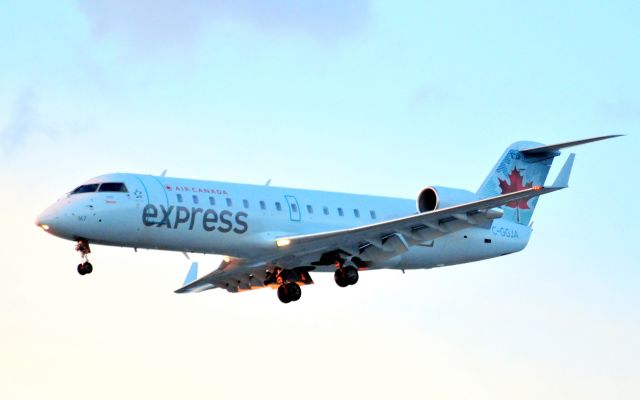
{"x": 112, "y": 187}
{"x": 85, "y": 188}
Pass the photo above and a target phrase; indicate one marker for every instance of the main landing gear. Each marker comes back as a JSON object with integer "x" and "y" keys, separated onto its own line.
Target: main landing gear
{"x": 289, "y": 282}
{"x": 289, "y": 292}
{"x": 85, "y": 266}
{"x": 346, "y": 276}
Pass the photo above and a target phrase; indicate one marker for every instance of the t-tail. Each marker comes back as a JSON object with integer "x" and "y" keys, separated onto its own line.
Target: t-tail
{"x": 524, "y": 165}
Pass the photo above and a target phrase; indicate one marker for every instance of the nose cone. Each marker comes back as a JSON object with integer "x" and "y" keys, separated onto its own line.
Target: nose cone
{"x": 47, "y": 220}
{"x": 52, "y": 220}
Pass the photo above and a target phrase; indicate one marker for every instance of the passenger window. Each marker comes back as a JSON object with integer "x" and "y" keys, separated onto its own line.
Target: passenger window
{"x": 245, "y": 203}
{"x": 85, "y": 189}
{"x": 294, "y": 207}
{"x": 229, "y": 202}
{"x": 112, "y": 187}
{"x": 278, "y": 206}
{"x": 373, "y": 214}
{"x": 325, "y": 209}
{"x": 179, "y": 197}
{"x": 340, "y": 212}
{"x": 195, "y": 199}
{"x": 212, "y": 200}
{"x": 309, "y": 209}
{"x": 263, "y": 206}
{"x": 356, "y": 213}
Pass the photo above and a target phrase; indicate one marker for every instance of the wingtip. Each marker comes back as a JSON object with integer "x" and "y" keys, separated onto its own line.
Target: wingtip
{"x": 605, "y": 137}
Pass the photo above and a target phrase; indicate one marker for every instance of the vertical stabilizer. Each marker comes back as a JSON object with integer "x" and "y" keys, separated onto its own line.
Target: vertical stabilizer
{"x": 524, "y": 165}
{"x": 516, "y": 171}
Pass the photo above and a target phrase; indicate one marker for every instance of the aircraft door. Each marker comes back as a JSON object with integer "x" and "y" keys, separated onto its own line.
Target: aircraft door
{"x": 294, "y": 208}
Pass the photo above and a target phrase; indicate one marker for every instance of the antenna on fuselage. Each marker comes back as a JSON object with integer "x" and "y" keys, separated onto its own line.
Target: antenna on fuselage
{"x": 268, "y": 183}
{"x": 163, "y": 173}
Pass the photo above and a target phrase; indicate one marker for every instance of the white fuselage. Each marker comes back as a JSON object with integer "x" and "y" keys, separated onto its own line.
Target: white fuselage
{"x": 244, "y": 221}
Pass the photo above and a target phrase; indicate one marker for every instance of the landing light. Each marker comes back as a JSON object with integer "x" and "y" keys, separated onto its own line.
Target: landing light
{"x": 537, "y": 188}
{"x": 283, "y": 242}
{"x": 45, "y": 227}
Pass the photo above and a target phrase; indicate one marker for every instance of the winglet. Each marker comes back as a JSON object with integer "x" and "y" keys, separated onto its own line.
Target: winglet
{"x": 192, "y": 275}
{"x": 562, "y": 181}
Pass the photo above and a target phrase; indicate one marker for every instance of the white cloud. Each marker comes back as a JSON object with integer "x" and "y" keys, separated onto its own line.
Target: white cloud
{"x": 21, "y": 122}
{"x": 150, "y": 25}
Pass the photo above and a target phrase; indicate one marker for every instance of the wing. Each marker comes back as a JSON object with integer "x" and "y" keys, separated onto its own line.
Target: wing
{"x": 417, "y": 228}
{"x": 414, "y": 229}
{"x": 233, "y": 274}
{"x": 389, "y": 237}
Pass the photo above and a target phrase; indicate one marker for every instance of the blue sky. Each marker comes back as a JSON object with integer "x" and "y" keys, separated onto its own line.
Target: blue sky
{"x": 369, "y": 97}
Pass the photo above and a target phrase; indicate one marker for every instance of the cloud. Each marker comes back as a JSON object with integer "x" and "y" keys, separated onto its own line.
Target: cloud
{"x": 427, "y": 96}
{"x": 621, "y": 109}
{"x": 21, "y": 122}
{"x": 156, "y": 25}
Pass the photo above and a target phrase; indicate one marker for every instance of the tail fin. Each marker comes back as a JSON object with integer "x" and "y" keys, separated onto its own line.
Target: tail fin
{"x": 516, "y": 171}
{"x": 524, "y": 165}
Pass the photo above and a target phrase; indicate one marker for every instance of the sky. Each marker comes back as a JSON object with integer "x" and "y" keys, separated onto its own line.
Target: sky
{"x": 361, "y": 96}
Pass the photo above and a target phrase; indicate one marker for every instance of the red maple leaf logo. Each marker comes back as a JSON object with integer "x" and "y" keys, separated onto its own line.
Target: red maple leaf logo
{"x": 515, "y": 184}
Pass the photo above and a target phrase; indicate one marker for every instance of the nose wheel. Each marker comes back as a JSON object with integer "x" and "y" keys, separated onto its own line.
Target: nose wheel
{"x": 85, "y": 267}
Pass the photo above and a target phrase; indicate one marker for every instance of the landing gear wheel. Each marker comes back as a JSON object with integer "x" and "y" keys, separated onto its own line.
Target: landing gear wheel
{"x": 340, "y": 278}
{"x": 88, "y": 268}
{"x": 294, "y": 291}
{"x": 289, "y": 292}
{"x": 82, "y": 247}
{"x": 283, "y": 294}
{"x": 85, "y": 268}
{"x": 351, "y": 275}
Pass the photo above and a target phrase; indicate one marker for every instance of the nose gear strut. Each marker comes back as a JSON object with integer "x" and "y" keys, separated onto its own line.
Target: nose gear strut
{"x": 82, "y": 246}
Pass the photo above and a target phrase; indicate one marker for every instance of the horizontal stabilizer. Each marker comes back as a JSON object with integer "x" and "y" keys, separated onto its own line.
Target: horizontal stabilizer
{"x": 192, "y": 275}
{"x": 562, "y": 181}
{"x": 534, "y": 151}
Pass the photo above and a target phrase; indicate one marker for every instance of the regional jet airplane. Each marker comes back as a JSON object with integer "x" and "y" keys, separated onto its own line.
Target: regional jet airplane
{"x": 276, "y": 237}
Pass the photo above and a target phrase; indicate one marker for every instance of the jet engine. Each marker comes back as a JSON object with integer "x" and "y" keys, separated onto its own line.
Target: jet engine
{"x": 434, "y": 197}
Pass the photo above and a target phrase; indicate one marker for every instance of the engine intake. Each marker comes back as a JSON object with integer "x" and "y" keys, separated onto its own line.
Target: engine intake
{"x": 435, "y": 197}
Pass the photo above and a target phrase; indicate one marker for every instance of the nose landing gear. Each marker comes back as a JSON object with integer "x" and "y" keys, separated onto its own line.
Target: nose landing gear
{"x": 85, "y": 267}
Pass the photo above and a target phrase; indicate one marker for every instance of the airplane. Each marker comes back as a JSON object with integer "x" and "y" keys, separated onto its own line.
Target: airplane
{"x": 275, "y": 237}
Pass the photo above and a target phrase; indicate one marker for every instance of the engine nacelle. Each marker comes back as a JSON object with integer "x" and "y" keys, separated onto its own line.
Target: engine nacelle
{"x": 434, "y": 197}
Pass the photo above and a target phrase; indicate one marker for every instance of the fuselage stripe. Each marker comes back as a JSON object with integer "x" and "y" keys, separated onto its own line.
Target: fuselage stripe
{"x": 166, "y": 196}
{"x": 146, "y": 192}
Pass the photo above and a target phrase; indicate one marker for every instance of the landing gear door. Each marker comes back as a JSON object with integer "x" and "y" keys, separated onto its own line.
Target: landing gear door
{"x": 294, "y": 208}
